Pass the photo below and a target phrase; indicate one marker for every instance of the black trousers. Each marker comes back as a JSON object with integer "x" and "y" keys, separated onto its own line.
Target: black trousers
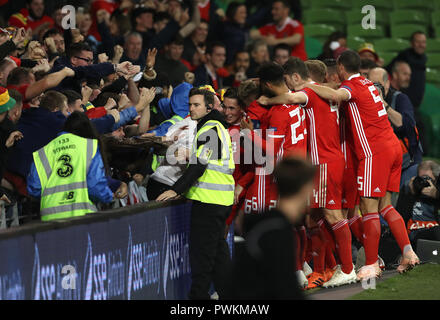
{"x": 155, "y": 189}
{"x": 208, "y": 250}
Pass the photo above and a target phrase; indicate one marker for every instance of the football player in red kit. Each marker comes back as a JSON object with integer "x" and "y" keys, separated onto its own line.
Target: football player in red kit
{"x": 234, "y": 113}
{"x": 281, "y": 139}
{"x": 379, "y": 160}
{"x": 325, "y": 152}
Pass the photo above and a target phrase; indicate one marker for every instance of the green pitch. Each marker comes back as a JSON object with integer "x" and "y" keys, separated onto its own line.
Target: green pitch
{"x": 422, "y": 283}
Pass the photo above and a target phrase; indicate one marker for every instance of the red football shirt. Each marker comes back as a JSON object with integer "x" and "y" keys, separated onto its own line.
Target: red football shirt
{"x": 346, "y": 142}
{"x": 22, "y": 89}
{"x": 22, "y": 19}
{"x": 324, "y": 142}
{"x": 289, "y": 130}
{"x": 288, "y": 29}
{"x": 204, "y": 9}
{"x": 367, "y": 119}
{"x": 258, "y": 115}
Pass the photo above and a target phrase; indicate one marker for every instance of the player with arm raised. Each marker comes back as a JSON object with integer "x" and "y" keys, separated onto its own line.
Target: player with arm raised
{"x": 325, "y": 152}
{"x": 379, "y": 159}
{"x": 286, "y": 136}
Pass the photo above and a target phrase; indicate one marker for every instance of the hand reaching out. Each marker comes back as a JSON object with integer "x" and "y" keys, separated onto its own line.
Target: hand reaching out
{"x": 246, "y": 124}
{"x": 115, "y": 114}
{"x": 263, "y": 100}
{"x": 111, "y": 103}
{"x": 50, "y": 44}
{"x": 42, "y": 65}
{"x": 147, "y": 96}
{"x": 5, "y": 199}
{"x": 86, "y": 93}
{"x": 124, "y": 101}
{"x": 151, "y": 58}
{"x": 14, "y": 136}
{"x": 122, "y": 191}
{"x": 69, "y": 72}
{"x": 123, "y": 68}
{"x": 167, "y": 195}
{"x": 18, "y": 37}
{"x": 102, "y": 57}
{"x": 76, "y": 36}
{"x": 119, "y": 51}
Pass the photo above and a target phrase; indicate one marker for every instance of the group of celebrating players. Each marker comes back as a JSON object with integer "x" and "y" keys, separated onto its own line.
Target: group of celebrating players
{"x": 331, "y": 115}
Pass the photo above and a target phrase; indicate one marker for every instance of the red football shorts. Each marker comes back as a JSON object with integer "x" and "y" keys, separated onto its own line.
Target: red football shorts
{"x": 350, "y": 195}
{"x": 380, "y": 173}
{"x": 261, "y": 195}
{"x": 327, "y": 192}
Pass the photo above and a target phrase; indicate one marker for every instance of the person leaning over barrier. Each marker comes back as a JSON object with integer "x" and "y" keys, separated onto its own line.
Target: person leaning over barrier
{"x": 69, "y": 172}
{"x": 208, "y": 181}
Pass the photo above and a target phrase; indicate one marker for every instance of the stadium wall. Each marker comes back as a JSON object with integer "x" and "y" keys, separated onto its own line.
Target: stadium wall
{"x": 139, "y": 252}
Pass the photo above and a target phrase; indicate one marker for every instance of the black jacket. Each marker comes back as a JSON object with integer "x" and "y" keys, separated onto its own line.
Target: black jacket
{"x": 212, "y": 141}
{"x": 264, "y": 265}
{"x": 416, "y": 89}
{"x": 6, "y": 128}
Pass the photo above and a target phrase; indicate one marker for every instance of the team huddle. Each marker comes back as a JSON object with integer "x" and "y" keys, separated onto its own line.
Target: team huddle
{"x": 334, "y": 117}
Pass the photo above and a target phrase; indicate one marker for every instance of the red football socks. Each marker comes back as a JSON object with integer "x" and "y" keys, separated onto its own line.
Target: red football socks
{"x": 355, "y": 224}
{"x": 371, "y": 225}
{"x": 318, "y": 250}
{"x": 342, "y": 235}
{"x": 330, "y": 261}
{"x": 299, "y": 265}
{"x": 397, "y": 227}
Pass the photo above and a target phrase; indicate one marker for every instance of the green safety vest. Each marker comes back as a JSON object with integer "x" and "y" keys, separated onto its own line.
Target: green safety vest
{"x": 216, "y": 185}
{"x": 62, "y": 167}
{"x": 174, "y": 119}
{"x": 158, "y": 159}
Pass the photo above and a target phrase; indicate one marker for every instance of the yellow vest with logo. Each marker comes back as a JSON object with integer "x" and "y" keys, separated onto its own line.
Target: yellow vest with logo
{"x": 62, "y": 167}
{"x": 216, "y": 185}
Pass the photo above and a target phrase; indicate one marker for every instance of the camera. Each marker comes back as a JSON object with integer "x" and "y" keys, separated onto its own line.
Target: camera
{"x": 380, "y": 88}
{"x": 421, "y": 182}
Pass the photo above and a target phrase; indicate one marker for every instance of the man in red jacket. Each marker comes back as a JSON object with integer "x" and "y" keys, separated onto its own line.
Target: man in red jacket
{"x": 32, "y": 17}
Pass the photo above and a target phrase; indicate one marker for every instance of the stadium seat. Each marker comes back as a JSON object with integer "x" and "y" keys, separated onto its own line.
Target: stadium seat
{"x": 391, "y": 45}
{"x": 433, "y": 76}
{"x": 318, "y": 31}
{"x": 436, "y": 31}
{"x": 435, "y": 18}
{"x": 378, "y": 4}
{"x": 432, "y": 45}
{"x": 355, "y": 16}
{"x": 332, "y": 4}
{"x": 433, "y": 61}
{"x": 399, "y": 17}
{"x": 330, "y": 17}
{"x": 405, "y": 31}
{"x": 387, "y": 56}
{"x": 313, "y": 47}
{"x": 355, "y": 42}
{"x": 305, "y": 4}
{"x": 356, "y": 30}
{"x": 424, "y": 5}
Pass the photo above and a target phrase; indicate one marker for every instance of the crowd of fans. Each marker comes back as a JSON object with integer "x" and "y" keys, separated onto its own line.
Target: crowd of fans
{"x": 130, "y": 65}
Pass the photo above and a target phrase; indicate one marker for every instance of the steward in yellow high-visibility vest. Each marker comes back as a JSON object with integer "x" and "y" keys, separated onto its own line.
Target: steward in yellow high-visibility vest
{"x": 209, "y": 183}
{"x": 65, "y": 173}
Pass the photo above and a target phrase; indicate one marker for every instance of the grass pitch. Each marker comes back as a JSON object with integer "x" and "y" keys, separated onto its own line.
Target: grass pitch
{"x": 421, "y": 283}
